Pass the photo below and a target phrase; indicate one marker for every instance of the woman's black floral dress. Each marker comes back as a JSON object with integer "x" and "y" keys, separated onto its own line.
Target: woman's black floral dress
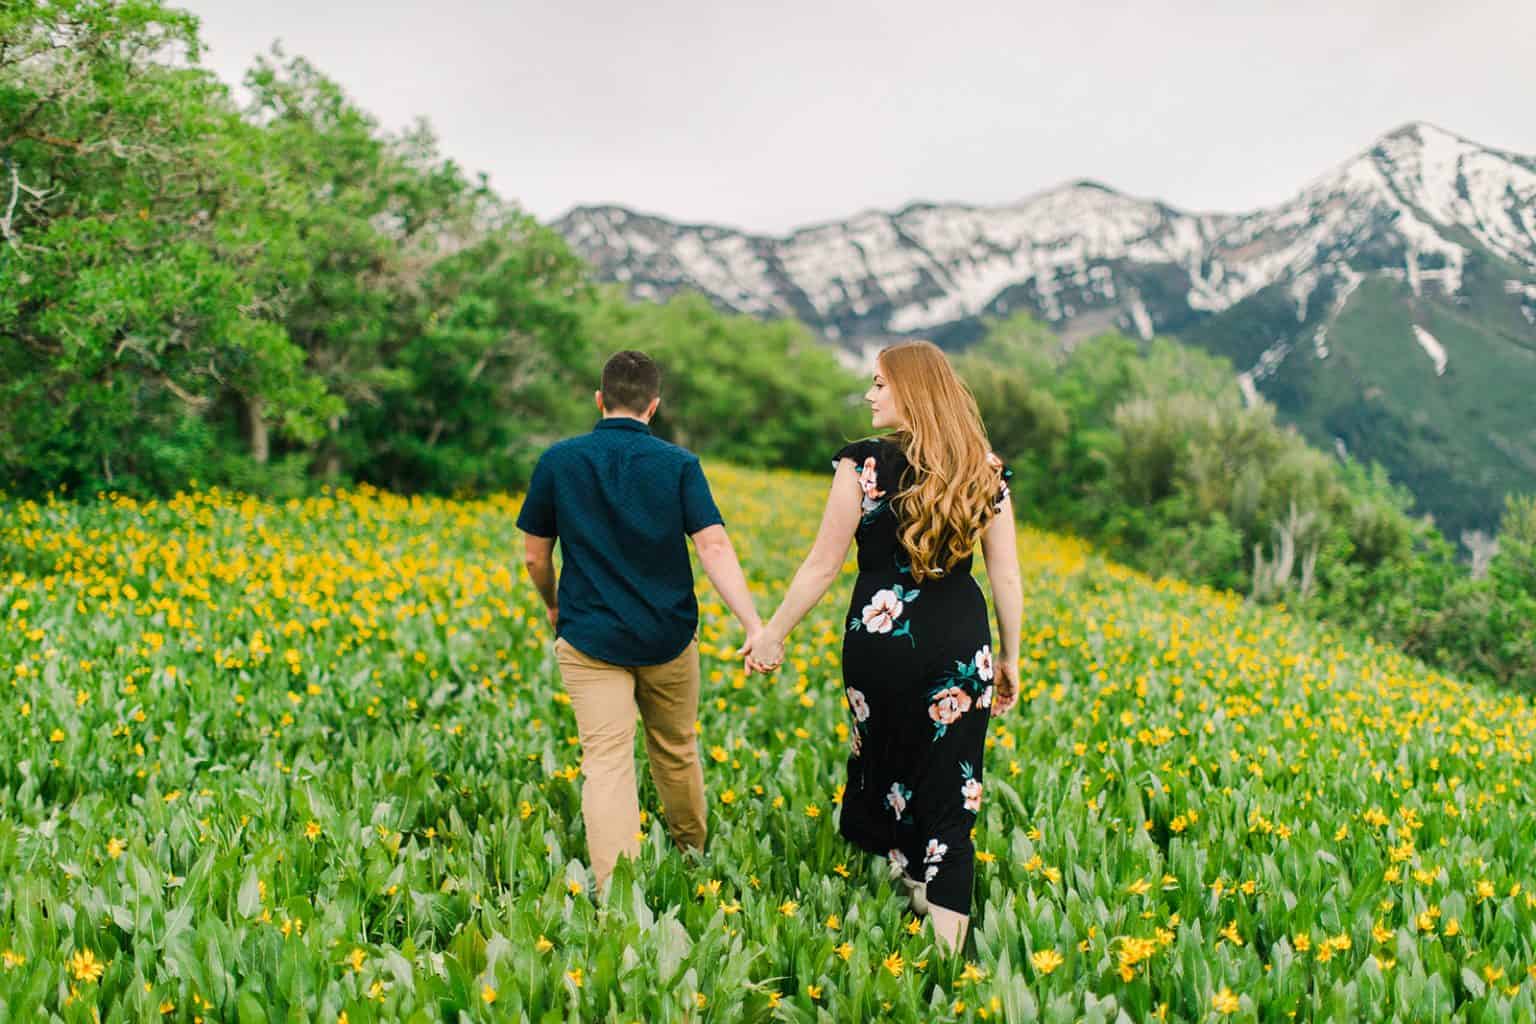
{"x": 917, "y": 665}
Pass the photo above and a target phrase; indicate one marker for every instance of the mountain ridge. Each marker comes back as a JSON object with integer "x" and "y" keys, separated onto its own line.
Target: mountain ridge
{"x": 1442, "y": 228}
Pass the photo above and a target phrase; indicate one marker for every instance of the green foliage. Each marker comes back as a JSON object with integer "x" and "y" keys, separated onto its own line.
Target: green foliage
{"x": 1154, "y": 455}
{"x": 253, "y": 297}
{"x": 487, "y": 379}
{"x": 131, "y": 298}
{"x": 1458, "y": 440}
{"x": 1488, "y": 625}
{"x": 282, "y": 294}
{"x": 444, "y": 318}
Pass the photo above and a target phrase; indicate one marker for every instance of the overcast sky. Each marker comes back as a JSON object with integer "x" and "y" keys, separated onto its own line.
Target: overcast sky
{"x": 771, "y": 116}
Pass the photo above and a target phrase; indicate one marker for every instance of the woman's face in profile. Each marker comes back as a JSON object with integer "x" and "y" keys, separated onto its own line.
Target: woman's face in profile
{"x": 882, "y": 402}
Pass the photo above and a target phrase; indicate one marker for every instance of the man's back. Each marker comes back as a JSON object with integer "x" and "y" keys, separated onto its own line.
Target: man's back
{"x": 622, "y": 503}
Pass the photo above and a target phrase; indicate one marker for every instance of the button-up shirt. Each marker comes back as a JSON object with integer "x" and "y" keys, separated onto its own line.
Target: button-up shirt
{"x": 622, "y": 503}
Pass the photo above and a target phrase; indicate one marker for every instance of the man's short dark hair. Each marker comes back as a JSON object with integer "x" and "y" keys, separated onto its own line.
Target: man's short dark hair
{"x": 630, "y": 381}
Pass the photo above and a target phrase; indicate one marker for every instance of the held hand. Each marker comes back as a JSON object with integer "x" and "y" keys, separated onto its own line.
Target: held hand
{"x": 553, "y": 614}
{"x": 1007, "y": 682}
{"x": 767, "y": 656}
{"x": 763, "y": 651}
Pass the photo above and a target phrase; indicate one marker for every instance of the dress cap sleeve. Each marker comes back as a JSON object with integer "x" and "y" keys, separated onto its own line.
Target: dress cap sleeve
{"x": 1005, "y": 474}
{"x": 858, "y": 451}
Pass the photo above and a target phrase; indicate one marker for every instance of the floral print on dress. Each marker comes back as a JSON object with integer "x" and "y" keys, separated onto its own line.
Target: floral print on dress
{"x": 884, "y": 608}
{"x": 945, "y": 708}
{"x": 958, "y": 691}
{"x": 898, "y": 862}
{"x": 882, "y": 611}
{"x": 931, "y": 857}
{"x": 897, "y": 799}
{"x": 869, "y": 483}
{"x": 858, "y": 705}
{"x": 970, "y": 788}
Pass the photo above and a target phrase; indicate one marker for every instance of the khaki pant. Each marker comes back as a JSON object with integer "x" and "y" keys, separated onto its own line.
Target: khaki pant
{"x": 605, "y": 698}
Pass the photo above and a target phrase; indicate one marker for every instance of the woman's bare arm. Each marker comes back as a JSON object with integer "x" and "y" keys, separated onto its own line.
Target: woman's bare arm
{"x": 1000, "y": 549}
{"x": 839, "y": 521}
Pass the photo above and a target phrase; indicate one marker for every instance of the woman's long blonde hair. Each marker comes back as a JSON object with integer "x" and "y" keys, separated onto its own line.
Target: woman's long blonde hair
{"x": 950, "y": 494}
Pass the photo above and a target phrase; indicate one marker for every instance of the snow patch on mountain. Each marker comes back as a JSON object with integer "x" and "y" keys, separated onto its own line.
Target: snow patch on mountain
{"x": 1406, "y": 208}
{"x": 1436, "y": 350}
{"x": 1250, "y": 392}
{"x": 1527, "y": 294}
{"x": 1349, "y": 280}
{"x": 1300, "y": 291}
{"x": 1141, "y": 318}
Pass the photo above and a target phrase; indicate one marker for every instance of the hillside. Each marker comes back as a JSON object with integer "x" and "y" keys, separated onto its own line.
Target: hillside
{"x": 312, "y": 759}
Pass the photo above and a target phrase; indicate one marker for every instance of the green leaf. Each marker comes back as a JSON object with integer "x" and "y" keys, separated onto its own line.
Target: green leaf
{"x": 249, "y": 901}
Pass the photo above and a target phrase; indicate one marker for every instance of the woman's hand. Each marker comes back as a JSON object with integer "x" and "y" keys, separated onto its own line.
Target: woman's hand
{"x": 1007, "y": 682}
{"x": 764, "y": 651}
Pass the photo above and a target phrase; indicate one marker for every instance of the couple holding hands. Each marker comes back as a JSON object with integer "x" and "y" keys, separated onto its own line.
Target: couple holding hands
{"x": 919, "y": 671}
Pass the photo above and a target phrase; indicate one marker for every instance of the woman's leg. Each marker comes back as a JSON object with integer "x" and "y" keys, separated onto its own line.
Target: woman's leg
{"x": 949, "y": 928}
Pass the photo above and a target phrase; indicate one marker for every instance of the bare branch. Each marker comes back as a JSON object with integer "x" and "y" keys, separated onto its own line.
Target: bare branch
{"x": 54, "y": 140}
{"x": 6, "y": 230}
{"x": 18, "y": 188}
{"x": 197, "y": 403}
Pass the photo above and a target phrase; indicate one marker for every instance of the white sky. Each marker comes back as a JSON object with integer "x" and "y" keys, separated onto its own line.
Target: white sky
{"x": 771, "y": 116}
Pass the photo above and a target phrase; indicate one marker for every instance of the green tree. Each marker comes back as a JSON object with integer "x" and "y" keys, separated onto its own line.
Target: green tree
{"x": 497, "y": 364}
{"x": 445, "y": 318}
{"x": 131, "y": 298}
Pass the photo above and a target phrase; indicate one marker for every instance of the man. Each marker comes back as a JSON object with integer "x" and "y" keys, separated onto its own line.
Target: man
{"x": 621, "y": 501}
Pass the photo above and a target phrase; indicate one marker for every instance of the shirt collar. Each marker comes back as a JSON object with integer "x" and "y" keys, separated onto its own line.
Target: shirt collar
{"x": 622, "y": 423}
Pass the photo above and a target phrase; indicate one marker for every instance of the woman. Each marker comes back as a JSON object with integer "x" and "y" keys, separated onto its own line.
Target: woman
{"x": 918, "y": 668}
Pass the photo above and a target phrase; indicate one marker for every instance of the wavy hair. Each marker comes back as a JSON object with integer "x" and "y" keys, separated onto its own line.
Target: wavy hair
{"x": 948, "y": 496}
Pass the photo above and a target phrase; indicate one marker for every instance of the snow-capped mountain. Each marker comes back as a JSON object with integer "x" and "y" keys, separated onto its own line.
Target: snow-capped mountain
{"x": 1080, "y": 249}
{"x": 1411, "y": 267}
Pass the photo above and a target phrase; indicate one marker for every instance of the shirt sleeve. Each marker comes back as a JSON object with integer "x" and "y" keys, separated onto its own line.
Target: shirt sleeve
{"x": 538, "y": 512}
{"x": 699, "y": 509}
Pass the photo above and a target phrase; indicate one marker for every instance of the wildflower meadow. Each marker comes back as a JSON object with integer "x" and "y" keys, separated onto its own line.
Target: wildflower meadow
{"x": 311, "y": 761}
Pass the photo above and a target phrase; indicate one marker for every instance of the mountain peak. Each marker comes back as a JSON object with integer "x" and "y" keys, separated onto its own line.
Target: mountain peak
{"x": 1423, "y": 133}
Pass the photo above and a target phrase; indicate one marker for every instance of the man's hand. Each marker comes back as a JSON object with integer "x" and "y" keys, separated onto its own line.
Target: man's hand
{"x": 1007, "y": 682}
{"x": 553, "y": 612}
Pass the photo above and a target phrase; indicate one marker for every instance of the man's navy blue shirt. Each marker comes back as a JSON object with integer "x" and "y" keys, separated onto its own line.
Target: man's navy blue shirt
{"x": 622, "y": 502}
